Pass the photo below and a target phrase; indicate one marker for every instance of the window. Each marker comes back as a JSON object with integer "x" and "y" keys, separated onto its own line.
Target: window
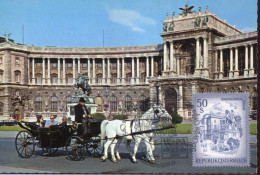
{"x": 128, "y": 102}
{"x": 254, "y": 101}
{"x": 54, "y": 103}
{"x": 54, "y": 65}
{"x": 143, "y": 103}
{"x": 113, "y": 103}
{"x": 114, "y": 66}
{"x": 54, "y": 79}
{"x": 17, "y": 75}
{"x": 69, "y": 65}
{"x": 39, "y": 79}
{"x": 84, "y": 65}
{"x": 114, "y": 78}
{"x": 69, "y": 79}
{"x": 38, "y": 103}
{"x": 1, "y": 75}
{"x": 17, "y": 61}
{"x": 67, "y": 102}
{"x": 1, "y": 108}
{"x": 99, "y": 65}
{"x": 99, "y": 78}
{"x": 99, "y": 103}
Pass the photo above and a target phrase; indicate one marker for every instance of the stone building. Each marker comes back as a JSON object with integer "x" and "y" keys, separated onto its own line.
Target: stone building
{"x": 200, "y": 53}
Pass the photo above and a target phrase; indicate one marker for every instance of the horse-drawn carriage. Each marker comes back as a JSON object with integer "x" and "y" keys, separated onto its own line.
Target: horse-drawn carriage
{"x": 58, "y": 136}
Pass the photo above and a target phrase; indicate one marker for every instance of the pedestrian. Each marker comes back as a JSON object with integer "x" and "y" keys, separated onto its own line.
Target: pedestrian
{"x": 51, "y": 122}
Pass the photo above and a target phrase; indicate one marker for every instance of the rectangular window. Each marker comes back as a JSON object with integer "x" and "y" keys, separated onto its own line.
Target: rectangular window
{"x": 70, "y": 80}
{"x": 39, "y": 79}
{"x": 17, "y": 61}
{"x": 54, "y": 65}
{"x": 54, "y": 80}
{"x": 84, "y": 65}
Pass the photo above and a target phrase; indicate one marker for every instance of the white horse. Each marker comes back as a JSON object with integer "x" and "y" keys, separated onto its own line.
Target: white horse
{"x": 140, "y": 129}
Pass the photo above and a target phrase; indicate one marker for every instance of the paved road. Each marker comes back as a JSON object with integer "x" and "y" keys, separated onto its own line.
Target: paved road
{"x": 11, "y": 163}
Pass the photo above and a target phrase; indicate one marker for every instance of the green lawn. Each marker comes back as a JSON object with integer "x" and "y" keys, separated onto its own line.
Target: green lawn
{"x": 187, "y": 129}
{"x": 180, "y": 129}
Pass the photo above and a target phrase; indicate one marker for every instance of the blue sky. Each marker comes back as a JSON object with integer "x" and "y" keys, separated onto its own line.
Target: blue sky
{"x": 125, "y": 22}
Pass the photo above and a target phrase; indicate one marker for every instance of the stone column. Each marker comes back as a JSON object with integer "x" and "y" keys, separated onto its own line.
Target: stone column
{"x": 78, "y": 65}
{"x": 88, "y": 68}
{"x": 94, "y": 71}
{"x": 231, "y": 63}
{"x": 205, "y": 56}
{"x": 74, "y": 70}
{"x": 251, "y": 70}
{"x": 165, "y": 56}
{"x": 147, "y": 69}
{"x": 178, "y": 66}
{"x": 180, "y": 109}
{"x": 216, "y": 64}
{"x": 152, "y": 66}
{"x": 58, "y": 71}
{"x": 118, "y": 73}
{"x": 246, "y": 62}
{"x": 197, "y": 71}
{"x": 64, "y": 72}
{"x": 171, "y": 56}
{"x": 33, "y": 70}
{"x": 108, "y": 71}
{"x": 133, "y": 73}
{"x": 103, "y": 71}
{"x": 236, "y": 63}
{"x": 123, "y": 70}
{"x": 43, "y": 71}
{"x": 28, "y": 67}
{"x": 49, "y": 71}
{"x": 137, "y": 70}
{"x": 221, "y": 65}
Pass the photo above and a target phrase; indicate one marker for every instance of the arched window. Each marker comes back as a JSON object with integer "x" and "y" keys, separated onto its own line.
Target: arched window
{"x": 99, "y": 103}
{"x": 1, "y": 75}
{"x": 113, "y": 103}
{"x": 254, "y": 101}
{"x": 17, "y": 75}
{"x": 1, "y": 108}
{"x": 54, "y": 103}
{"x": 67, "y": 101}
{"x": 128, "y": 102}
{"x": 38, "y": 103}
{"x": 143, "y": 103}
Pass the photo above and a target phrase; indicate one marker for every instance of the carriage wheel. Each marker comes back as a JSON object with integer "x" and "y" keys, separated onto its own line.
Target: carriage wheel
{"x": 94, "y": 147}
{"x": 24, "y": 144}
{"x": 75, "y": 148}
{"x": 50, "y": 151}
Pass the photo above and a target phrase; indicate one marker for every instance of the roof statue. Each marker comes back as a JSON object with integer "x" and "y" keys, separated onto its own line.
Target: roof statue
{"x": 7, "y": 36}
{"x": 186, "y": 10}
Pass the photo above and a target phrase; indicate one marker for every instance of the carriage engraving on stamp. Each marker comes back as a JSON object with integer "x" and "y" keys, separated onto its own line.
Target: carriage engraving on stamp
{"x": 220, "y": 129}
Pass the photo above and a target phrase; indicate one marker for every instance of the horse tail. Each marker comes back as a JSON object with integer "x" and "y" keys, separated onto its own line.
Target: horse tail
{"x": 103, "y": 131}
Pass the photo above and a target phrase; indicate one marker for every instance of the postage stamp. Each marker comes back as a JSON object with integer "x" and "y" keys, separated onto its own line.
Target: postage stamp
{"x": 220, "y": 129}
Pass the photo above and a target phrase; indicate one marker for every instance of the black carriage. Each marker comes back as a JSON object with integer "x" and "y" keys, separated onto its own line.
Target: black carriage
{"x": 89, "y": 142}
{"x": 54, "y": 137}
{"x": 48, "y": 139}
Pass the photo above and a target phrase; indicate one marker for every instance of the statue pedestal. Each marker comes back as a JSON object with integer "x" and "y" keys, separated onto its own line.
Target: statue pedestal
{"x": 90, "y": 104}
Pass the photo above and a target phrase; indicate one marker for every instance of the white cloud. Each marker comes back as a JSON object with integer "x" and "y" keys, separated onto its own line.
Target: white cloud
{"x": 249, "y": 29}
{"x": 130, "y": 18}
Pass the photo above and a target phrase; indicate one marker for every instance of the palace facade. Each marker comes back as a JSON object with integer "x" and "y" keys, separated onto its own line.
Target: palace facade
{"x": 200, "y": 53}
